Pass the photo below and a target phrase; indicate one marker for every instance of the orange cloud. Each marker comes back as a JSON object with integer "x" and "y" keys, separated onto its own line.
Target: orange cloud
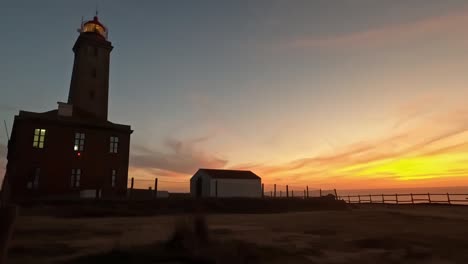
{"x": 425, "y": 154}
{"x": 428, "y": 148}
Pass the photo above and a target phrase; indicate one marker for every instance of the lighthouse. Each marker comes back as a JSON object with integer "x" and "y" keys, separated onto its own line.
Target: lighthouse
{"x": 73, "y": 151}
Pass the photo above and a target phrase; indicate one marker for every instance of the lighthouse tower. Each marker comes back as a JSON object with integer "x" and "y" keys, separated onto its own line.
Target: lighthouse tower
{"x": 89, "y": 87}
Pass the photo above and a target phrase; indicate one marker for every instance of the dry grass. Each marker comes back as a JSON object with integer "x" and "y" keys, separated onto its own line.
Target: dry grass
{"x": 367, "y": 234}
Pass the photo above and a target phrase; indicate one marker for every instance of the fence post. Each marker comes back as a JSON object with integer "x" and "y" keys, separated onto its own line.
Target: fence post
{"x": 275, "y": 190}
{"x": 359, "y": 197}
{"x": 320, "y": 192}
{"x": 155, "y": 187}
{"x": 287, "y": 191}
{"x": 412, "y": 199}
{"x": 396, "y": 198}
{"x": 448, "y": 199}
{"x": 370, "y": 198}
{"x": 271, "y": 194}
{"x": 263, "y": 190}
{"x": 383, "y": 198}
{"x": 131, "y": 189}
{"x": 429, "y": 197}
{"x": 281, "y": 193}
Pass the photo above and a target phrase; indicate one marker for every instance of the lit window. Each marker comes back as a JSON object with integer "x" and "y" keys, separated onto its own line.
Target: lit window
{"x": 114, "y": 144}
{"x": 34, "y": 181}
{"x": 113, "y": 177}
{"x": 75, "y": 178}
{"x": 39, "y": 137}
{"x": 79, "y": 142}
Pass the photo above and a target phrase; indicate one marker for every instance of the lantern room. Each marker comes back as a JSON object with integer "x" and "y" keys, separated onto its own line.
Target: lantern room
{"x": 94, "y": 26}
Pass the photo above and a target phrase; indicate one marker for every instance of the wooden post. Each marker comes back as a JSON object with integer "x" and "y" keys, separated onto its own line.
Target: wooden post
{"x": 320, "y": 192}
{"x": 448, "y": 199}
{"x": 359, "y": 197}
{"x": 336, "y": 195}
{"x": 275, "y": 190}
{"x": 307, "y": 187}
{"x": 271, "y": 193}
{"x": 216, "y": 188}
{"x": 155, "y": 187}
{"x": 131, "y": 188}
{"x": 263, "y": 190}
{"x": 412, "y": 198}
{"x": 281, "y": 193}
{"x": 396, "y": 198}
{"x": 370, "y": 198}
{"x": 429, "y": 197}
{"x": 287, "y": 191}
{"x": 383, "y": 198}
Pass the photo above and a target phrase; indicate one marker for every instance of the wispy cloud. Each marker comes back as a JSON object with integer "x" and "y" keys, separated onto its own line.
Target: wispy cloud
{"x": 428, "y": 150}
{"x": 427, "y": 147}
{"x": 450, "y": 23}
{"x": 182, "y": 157}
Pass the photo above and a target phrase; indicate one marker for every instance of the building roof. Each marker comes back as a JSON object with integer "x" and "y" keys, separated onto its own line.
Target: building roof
{"x": 80, "y": 117}
{"x": 230, "y": 174}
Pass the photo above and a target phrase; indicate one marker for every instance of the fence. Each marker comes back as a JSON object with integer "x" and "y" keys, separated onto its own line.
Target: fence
{"x": 295, "y": 191}
{"x": 411, "y": 198}
{"x": 268, "y": 190}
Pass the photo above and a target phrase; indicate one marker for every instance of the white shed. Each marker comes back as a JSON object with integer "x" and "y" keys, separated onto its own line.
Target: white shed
{"x": 225, "y": 183}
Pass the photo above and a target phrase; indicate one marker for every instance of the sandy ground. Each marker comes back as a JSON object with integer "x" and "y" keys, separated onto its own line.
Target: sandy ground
{"x": 366, "y": 234}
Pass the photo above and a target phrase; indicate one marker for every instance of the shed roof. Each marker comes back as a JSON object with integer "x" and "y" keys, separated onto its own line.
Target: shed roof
{"x": 230, "y": 174}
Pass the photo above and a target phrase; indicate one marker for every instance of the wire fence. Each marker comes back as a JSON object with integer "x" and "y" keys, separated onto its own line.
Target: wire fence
{"x": 407, "y": 198}
{"x": 271, "y": 190}
{"x": 268, "y": 189}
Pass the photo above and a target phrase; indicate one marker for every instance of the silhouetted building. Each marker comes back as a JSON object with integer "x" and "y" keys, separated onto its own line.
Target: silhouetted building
{"x": 225, "y": 183}
{"x": 73, "y": 151}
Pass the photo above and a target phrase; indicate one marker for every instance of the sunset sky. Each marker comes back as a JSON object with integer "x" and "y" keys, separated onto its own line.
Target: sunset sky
{"x": 333, "y": 94}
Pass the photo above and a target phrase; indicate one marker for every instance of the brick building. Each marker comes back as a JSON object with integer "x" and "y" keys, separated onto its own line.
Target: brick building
{"x": 72, "y": 151}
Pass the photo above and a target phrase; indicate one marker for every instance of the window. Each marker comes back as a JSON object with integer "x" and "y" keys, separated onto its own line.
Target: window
{"x": 113, "y": 177}
{"x": 114, "y": 144}
{"x": 33, "y": 183}
{"x": 75, "y": 178}
{"x": 79, "y": 142}
{"x": 39, "y": 137}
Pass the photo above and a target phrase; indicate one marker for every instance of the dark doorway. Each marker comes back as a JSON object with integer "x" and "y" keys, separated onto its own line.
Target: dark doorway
{"x": 199, "y": 190}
